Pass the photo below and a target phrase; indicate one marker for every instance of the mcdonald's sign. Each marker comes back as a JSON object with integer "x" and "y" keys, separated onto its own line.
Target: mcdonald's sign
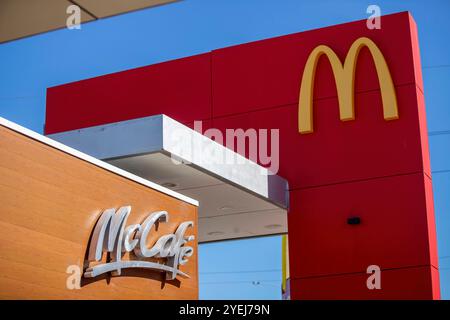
{"x": 344, "y": 75}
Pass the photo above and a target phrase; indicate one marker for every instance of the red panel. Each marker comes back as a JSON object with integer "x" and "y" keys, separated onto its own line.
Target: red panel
{"x": 423, "y": 132}
{"x": 416, "y": 52}
{"x": 431, "y": 224}
{"x": 407, "y": 283}
{"x": 267, "y": 73}
{"x": 435, "y": 282}
{"x": 342, "y": 151}
{"x": 181, "y": 89}
{"x": 393, "y": 232}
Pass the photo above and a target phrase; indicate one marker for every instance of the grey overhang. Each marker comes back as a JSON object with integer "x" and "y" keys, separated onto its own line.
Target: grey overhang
{"x": 237, "y": 200}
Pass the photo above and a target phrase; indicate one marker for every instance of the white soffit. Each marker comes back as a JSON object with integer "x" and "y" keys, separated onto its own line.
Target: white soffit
{"x": 237, "y": 200}
{"x": 23, "y": 18}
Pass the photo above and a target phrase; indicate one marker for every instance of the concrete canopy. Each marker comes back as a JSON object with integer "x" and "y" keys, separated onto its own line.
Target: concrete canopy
{"x": 238, "y": 199}
{"x": 23, "y": 18}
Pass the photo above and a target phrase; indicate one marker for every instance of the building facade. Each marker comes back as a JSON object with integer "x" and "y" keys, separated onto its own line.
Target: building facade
{"x": 353, "y": 146}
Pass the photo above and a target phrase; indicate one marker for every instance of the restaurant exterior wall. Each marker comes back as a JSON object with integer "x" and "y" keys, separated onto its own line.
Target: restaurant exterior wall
{"x": 53, "y": 198}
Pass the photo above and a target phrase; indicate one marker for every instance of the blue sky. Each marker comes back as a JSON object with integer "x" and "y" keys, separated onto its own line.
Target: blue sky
{"x": 245, "y": 268}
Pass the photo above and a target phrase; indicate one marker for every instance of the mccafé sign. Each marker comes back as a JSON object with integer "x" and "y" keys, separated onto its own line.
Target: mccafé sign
{"x": 111, "y": 236}
{"x": 344, "y": 75}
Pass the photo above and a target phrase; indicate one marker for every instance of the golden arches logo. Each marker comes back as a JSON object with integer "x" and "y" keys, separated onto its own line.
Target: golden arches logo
{"x": 344, "y": 75}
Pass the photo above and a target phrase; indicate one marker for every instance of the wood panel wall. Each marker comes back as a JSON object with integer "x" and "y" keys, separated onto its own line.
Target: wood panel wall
{"x": 49, "y": 204}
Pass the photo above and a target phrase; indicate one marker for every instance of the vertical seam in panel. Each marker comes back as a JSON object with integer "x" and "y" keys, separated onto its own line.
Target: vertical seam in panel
{"x": 211, "y": 88}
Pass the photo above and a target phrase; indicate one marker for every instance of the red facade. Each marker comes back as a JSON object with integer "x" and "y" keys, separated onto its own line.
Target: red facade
{"x": 370, "y": 168}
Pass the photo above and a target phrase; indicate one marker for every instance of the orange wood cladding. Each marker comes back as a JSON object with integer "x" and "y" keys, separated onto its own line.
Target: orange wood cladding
{"x": 50, "y": 202}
